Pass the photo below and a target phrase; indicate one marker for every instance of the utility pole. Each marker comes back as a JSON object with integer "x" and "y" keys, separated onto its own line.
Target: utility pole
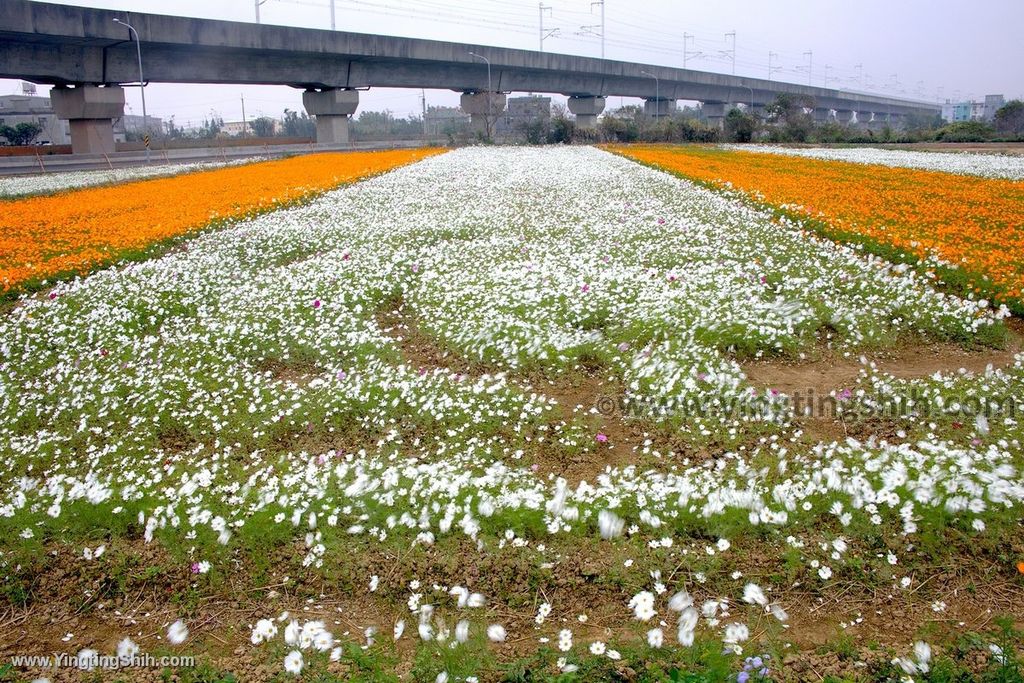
{"x": 860, "y": 75}
{"x": 601, "y": 3}
{"x": 423, "y": 97}
{"x": 810, "y": 64}
{"x": 544, "y": 35}
{"x": 731, "y": 52}
{"x": 258, "y": 3}
{"x": 772, "y": 69}
{"x": 828, "y": 67}
{"x": 332, "y": 15}
{"x": 244, "y": 124}
{"x": 687, "y": 37}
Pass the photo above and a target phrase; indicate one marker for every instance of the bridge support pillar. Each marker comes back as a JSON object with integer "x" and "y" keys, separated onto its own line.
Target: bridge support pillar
{"x": 760, "y": 111}
{"x": 844, "y": 116}
{"x": 483, "y": 109}
{"x": 821, "y": 115}
{"x": 586, "y": 110}
{"x": 864, "y": 119}
{"x": 655, "y": 108}
{"x": 91, "y": 110}
{"x": 332, "y": 108}
{"x": 715, "y": 112}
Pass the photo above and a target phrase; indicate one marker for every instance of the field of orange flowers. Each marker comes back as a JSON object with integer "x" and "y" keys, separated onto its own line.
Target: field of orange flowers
{"x": 974, "y": 223}
{"x": 46, "y": 237}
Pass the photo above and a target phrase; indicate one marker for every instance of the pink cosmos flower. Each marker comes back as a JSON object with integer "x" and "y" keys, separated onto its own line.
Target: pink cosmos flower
{"x": 602, "y": 437}
{"x": 316, "y": 303}
{"x": 585, "y": 288}
{"x": 195, "y": 567}
{"x": 341, "y": 374}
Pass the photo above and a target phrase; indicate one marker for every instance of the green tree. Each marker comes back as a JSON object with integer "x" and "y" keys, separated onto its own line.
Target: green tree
{"x": 740, "y": 126}
{"x": 174, "y": 131}
{"x": 965, "y": 131}
{"x": 263, "y": 127}
{"x": 296, "y": 125}
{"x": 211, "y": 128}
{"x": 21, "y": 134}
{"x": 1010, "y": 117}
{"x": 791, "y": 121}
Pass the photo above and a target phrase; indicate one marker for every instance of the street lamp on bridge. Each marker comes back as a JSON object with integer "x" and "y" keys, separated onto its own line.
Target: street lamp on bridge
{"x": 142, "y": 84}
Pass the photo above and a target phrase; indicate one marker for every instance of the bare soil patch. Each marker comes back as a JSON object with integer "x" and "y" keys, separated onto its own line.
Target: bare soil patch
{"x": 102, "y": 602}
{"x": 836, "y": 372}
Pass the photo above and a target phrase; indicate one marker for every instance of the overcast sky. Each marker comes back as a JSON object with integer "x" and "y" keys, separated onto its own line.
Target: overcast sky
{"x": 925, "y": 49}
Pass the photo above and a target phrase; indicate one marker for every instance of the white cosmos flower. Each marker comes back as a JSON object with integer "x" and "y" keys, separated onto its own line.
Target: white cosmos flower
{"x": 177, "y": 633}
{"x": 265, "y": 629}
{"x": 292, "y": 632}
{"x": 609, "y": 524}
{"x": 293, "y": 663}
{"x": 642, "y": 605}
{"x": 655, "y": 637}
{"x": 127, "y": 650}
{"x": 753, "y": 594}
{"x": 680, "y": 601}
{"x": 496, "y": 633}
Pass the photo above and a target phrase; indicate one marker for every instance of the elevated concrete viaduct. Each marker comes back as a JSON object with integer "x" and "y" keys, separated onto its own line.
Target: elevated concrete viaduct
{"x": 85, "y": 53}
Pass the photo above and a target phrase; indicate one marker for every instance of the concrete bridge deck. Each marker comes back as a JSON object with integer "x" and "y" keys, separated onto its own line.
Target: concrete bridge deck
{"x": 64, "y": 46}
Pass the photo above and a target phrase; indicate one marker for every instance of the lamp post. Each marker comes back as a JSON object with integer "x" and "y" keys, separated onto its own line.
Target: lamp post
{"x": 142, "y": 83}
{"x": 657, "y": 92}
{"x": 489, "y": 91}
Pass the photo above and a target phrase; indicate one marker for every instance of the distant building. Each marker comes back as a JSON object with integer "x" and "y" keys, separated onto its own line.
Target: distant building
{"x": 136, "y": 125}
{"x": 520, "y": 112}
{"x": 233, "y": 128}
{"x": 984, "y": 110}
{"x": 444, "y": 120}
{"x": 31, "y": 108}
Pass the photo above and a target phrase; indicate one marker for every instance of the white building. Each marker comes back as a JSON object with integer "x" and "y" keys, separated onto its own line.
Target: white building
{"x": 31, "y": 108}
{"x": 982, "y": 110}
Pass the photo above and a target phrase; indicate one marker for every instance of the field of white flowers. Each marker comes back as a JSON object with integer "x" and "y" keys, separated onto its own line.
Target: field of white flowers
{"x": 1009, "y": 166}
{"x": 51, "y": 183}
{"x": 487, "y": 398}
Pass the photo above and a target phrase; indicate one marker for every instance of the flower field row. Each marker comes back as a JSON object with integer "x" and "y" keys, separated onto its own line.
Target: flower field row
{"x": 51, "y": 183}
{"x": 973, "y": 226}
{"x": 257, "y": 385}
{"x": 44, "y": 237}
{"x": 1007, "y": 166}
